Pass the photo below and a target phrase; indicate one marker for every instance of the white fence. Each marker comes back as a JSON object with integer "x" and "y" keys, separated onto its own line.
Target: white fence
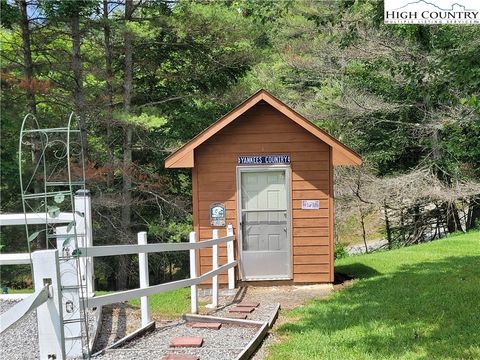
{"x": 142, "y": 249}
{"x": 46, "y": 267}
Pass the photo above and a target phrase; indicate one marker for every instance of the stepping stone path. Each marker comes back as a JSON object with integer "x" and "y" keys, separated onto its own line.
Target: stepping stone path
{"x": 179, "y": 357}
{"x": 207, "y": 325}
{"x": 186, "y": 341}
{"x": 200, "y": 338}
{"x": 240, "y": 310}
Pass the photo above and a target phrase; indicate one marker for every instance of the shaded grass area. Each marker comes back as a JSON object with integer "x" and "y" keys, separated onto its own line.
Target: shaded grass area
{"x": 166, "y": 305}
{"x": 420, "y": 302}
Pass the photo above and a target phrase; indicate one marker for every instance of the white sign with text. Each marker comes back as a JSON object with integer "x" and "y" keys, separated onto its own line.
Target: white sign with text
{"x": 430, "y": 12}
{"x": 310, "y": 204}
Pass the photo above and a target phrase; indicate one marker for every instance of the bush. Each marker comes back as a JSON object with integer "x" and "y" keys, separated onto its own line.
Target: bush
{"x": 340, "y": 251}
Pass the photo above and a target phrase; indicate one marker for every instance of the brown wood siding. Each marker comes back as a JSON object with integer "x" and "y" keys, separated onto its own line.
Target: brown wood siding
{"x": 264, "y": 130}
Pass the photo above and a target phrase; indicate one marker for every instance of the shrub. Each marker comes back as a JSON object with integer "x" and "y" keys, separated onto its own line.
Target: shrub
{"x": 340, "y": 251}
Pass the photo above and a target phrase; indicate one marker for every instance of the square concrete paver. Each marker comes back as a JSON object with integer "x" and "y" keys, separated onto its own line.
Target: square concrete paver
{"x": 207, "y": 325}
{"x": 179, "y": 357}
{"x": 186, "y": 341}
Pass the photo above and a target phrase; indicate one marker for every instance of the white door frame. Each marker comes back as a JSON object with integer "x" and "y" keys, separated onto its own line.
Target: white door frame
{"x": 265, "y": 168}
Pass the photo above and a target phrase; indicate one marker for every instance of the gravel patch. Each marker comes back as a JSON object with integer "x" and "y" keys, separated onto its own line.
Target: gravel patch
{"x": 20, "y": 341}
{"x": 223, "y": 344}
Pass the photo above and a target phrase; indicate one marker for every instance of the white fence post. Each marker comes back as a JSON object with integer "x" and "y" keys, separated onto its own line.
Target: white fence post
{"x": 215, "y": 267}
{"x": 193, "y": 274}
{"x": 83, "y": 204}
{"x": 144, "y": 278}
{"x": 230, "y": 258}
{"x": 51, "y": 336}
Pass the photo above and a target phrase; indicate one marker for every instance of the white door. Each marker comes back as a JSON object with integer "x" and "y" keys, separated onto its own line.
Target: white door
{"x": 264, "y": 224}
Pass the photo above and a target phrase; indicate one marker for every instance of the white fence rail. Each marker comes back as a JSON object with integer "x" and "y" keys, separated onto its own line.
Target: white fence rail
{"x": 23, "y": 308}
{"x": 34, "y": 219}
{"x": 142, "y": 249}
{"x": 15, "y": 259}
{"x": 112, "y": 250}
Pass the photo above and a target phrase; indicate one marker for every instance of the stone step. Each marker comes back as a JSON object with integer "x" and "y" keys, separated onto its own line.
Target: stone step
{"x": 237, "y": 316}
{"x": 240, "y": 309}
{"x": 207, "y": 325}
{"x": 248, "y": 304}
{"x": 186, "y": 341}
{"x": 180, "y": 357}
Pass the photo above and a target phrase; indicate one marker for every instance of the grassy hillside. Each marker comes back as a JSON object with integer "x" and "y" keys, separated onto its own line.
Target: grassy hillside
{"x": 421, "y": 302}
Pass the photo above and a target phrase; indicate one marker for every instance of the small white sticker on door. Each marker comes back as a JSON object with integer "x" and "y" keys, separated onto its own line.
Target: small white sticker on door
{"x": 310, "y": 204}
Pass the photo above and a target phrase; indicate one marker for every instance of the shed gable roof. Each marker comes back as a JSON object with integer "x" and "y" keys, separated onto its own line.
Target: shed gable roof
{"x": 184, "y": 156}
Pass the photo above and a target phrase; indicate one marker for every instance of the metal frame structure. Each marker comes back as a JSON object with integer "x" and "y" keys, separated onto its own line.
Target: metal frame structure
{"x": 51, "y": 169}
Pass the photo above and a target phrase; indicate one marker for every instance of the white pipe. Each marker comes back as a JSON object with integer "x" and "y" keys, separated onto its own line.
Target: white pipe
{"x": 193, "y": 275}
{"x": 230, "y": 257}
{"x": 215, "y": 267}
{"x": 144, "y": 278}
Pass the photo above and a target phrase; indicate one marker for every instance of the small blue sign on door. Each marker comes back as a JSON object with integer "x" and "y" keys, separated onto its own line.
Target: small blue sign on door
{"x": 217, "y": 214}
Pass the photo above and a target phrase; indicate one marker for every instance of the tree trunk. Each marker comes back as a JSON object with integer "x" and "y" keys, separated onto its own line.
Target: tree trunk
{"x": 417, "y": 225}
{"x": 78, "y": 97}
{"x": 364, "y": 233}
{"x": 31, "y": 100}
{"x": 109, "y": 89}
{"x": 473, "y": 212}
{"x": 127, "y": 143}
{"x": 388, "y": 230}
{"x": 453, "y": 220}
{"x": 27, "y": 56}
{"x": 402, "y": 225}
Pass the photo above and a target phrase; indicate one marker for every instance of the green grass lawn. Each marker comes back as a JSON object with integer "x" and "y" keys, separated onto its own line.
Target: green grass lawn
{"x": 420, "y": 302}
{"x": 169, "y": 304}
{"x": 166, "y": 305}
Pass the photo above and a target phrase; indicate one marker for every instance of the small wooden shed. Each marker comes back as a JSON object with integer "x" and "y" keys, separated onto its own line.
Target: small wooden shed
{"x": 268, "y": 171}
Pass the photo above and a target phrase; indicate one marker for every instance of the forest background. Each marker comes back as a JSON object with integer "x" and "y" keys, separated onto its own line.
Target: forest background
{"x": 146, "y": 76}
